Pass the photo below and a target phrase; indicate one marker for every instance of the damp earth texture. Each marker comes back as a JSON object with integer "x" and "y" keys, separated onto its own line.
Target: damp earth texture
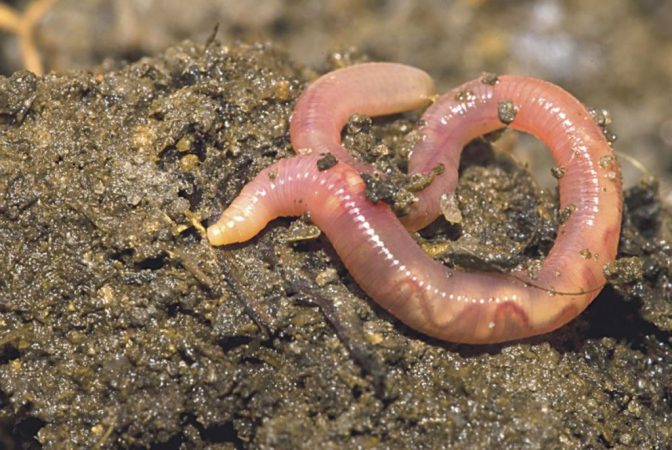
{"x": 121, "y": 327}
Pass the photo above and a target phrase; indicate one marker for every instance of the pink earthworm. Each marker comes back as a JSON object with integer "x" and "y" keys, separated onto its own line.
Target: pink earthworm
{"x": 327, "y": 104}
{"x": 393, "y": 270}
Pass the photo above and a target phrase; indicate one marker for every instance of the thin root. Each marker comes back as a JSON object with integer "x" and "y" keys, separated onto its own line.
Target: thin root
{"x": 23, "y": 26}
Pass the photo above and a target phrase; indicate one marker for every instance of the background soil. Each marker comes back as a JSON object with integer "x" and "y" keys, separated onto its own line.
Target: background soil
{"x": 120, "y": 327}
{"x": 615, "y": 55}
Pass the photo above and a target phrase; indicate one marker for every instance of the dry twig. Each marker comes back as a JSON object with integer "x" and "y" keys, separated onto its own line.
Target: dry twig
{"x": 23, "y": 25}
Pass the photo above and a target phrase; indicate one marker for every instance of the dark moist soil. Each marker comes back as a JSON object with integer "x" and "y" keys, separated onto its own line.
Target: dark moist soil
{"x": 121, "y": 327}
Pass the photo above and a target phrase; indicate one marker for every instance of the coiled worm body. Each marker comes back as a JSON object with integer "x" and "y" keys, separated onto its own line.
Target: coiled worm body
{"x": 393, "y": 270}
{"x": 327, "y": 104}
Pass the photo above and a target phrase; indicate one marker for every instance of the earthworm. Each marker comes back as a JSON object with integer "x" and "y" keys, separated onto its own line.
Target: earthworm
{"x": 393, "y": 270}
{"x": 327, "y": 104}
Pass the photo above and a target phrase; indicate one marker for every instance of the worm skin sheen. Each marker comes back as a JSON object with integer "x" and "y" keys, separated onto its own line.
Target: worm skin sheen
{"x": 373, "y": 89}
{"x": 391, "y": 268}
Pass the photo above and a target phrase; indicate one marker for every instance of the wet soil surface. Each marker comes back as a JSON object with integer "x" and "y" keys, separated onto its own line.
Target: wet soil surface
{"x": 120, "y": 327}
{"x": 615, "y": 55}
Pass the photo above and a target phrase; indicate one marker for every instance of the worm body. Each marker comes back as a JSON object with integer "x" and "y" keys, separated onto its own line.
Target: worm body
{"x": 374, "y": 89}
{"x": 590, "y": 174}
{"x": 388, "y": 264}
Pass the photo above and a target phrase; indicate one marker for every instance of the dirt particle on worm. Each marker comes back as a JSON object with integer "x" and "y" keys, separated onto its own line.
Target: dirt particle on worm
{"x": 506, "y": 111}
{"x": 489, "y": 78}
{"x": 609, "y": 135}
{"x": 606, "y": 161}
{"x": 600, "y": 116}
{"x": 558, "y": 172}
{"x": 464, "y": 96}
{"x": 603, "y": 119}
{"x": 566, "y": 213}
{"x": 326, "y": 162}
{"x": 418, "y": 182}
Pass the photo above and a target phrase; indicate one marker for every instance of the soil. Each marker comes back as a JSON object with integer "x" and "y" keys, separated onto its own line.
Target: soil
{"x": 120, "y": 327}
